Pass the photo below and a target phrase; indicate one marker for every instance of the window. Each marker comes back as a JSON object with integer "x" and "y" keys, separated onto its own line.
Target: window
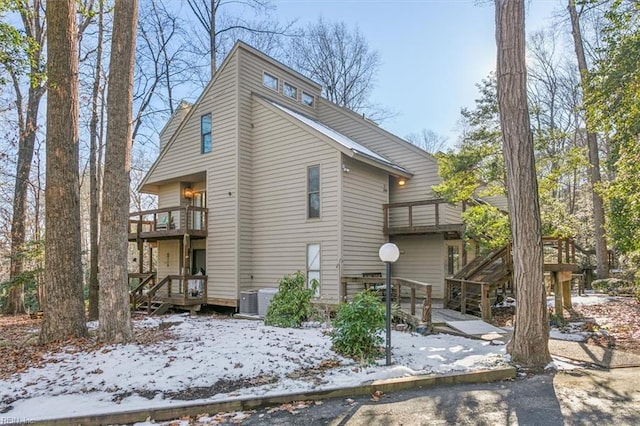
{"x": 270, "y": 81}
{"x": 205, "y": 133}
{"x": 453, "y": 260}
{"x": 313, "y": 266}
{"x": 307, "y": 99}
{"x": 313, "y": 192}
{"x": 290, "y": 91}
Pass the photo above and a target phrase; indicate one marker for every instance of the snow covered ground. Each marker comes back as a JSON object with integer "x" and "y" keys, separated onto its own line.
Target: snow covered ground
{"x": 212, "y": 359}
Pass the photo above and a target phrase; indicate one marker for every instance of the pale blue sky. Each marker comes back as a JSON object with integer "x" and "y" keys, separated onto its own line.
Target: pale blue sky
{"x": 433, "y": 52}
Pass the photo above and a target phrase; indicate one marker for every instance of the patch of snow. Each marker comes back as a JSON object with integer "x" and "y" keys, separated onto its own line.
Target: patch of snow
{"x": 206, "y": 351}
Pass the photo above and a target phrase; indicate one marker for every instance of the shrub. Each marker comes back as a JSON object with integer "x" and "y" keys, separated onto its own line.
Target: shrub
{"x": 614, "y": 286}
{"x": 291, "y": 305}
{"x": 358, "y": 326}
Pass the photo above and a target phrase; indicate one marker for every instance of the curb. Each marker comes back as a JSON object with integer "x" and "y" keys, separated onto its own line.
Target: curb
{"x": 249, "y": 403}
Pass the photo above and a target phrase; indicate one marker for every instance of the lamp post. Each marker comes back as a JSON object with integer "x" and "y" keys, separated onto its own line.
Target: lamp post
{"x": 388, "y": 253}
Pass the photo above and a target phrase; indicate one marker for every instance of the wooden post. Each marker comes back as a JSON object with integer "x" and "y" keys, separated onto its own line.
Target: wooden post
{"x": 413, "y": 300}
{"x": 484, "y": 303}
{"x": 385, "y": 213}
{"x": 426, "y": 307}
{"x": 565, "y": 279}
{"x": 447, "y": 290}
{"x": 557, "y": 292}
{"x": 463, "y": 298}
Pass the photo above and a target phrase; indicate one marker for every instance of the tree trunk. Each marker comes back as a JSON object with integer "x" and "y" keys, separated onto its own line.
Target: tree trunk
{"x": 64, "y": 311}
{"x": 94, "y": 194}
{"x": 115, "y": 316}
{"x": 212, "y": 37}
{"x": 602, "y": 257}
{"x": 28, "y": 126}
{"x": 529, "y": 345}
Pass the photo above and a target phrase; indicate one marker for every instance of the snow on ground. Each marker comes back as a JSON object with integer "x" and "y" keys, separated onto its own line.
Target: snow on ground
{"x": 213, "y": 359}
{"x": 589, "y": 298}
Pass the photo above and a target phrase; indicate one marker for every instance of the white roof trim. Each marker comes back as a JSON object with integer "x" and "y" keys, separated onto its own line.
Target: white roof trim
{"x": 338, "y": 137}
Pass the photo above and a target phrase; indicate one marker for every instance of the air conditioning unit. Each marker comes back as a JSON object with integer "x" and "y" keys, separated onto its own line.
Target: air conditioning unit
{"x": 249, "y": 302}
{"x": 264, "y": 298}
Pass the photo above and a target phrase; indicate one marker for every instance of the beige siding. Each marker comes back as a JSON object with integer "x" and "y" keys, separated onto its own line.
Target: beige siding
{"x": 281, "y": 154}
{"x": 423, "y": 166}
{"x": 365, "y": 190}
{"x": 421, "y": 259}
{"x": 250, "y": 71}
{"x": 173, "y": 124}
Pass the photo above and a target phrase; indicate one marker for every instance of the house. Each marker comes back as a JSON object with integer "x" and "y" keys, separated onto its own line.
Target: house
{"x": 262, "y": 177}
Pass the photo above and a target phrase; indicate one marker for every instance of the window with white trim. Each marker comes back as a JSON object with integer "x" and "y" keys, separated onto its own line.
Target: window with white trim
{"x": 308, "y": 99}
{"x": 313, "y": 192}
{"x": 313, "y": 266}
{"x": 290, "y": 91}
{"x": 270, "y": 81}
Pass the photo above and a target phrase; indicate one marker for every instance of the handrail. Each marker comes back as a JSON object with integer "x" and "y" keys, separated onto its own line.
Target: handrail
{"x": 397, "y": 283}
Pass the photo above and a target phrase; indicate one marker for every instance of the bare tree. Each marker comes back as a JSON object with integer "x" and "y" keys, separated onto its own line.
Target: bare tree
{"x": 428, "y": 140}
{"x": 602, "y": 258}
{"x": 64, "y": 308}
{"x": 27, "y": 109}
{"x": 94, "y": 168}
{"x": 529, "y": 345}
{"x": 114, "y": 315}
{"x": 340, "y": 60}
{"x": 210, "y": 14}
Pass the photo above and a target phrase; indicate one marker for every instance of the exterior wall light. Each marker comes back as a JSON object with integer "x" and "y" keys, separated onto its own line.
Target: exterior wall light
{"x": 188, "y": 192}
{"x": 402, "y": 181}
{"x": 388, "y": 253}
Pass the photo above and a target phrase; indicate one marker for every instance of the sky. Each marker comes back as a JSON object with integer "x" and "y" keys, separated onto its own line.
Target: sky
{"x": 433, "y": 52}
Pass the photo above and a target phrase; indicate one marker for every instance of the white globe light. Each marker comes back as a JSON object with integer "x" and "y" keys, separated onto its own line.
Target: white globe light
{"x": 389, "y": 252}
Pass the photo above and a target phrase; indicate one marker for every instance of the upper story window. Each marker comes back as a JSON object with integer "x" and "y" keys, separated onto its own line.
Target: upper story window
{"x": 313, "y": 192}
{"x": 270, "y": 81}
{"x": 308, "y": 99}
{"x": 205, "y": 133}
{"x": 290, "y": 91}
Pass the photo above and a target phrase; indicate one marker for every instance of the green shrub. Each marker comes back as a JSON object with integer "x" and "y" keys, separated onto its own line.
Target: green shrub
{"x": 358, "y": 326}
{"x": 614, "y": 286}
{"x": 291, "y": 305}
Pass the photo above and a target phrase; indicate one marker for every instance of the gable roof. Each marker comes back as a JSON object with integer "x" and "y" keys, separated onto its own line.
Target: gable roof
{"x": 345, "y": 144}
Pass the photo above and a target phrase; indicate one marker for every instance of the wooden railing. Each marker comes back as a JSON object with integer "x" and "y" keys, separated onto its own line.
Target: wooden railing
{"x": 138, "y": 294}
{"x": 467, "y": 296}
{"x": 402, "y": 288}
{"x": 191, "y": 290}
{"x": 559, "y": 250}
{"x": 168, "y": 221}
{"x": 416, "y": 217}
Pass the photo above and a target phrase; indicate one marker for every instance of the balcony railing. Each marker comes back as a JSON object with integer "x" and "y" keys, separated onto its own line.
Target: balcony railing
{"x": 169, "y": 222}
{"x": 417, "y": 217}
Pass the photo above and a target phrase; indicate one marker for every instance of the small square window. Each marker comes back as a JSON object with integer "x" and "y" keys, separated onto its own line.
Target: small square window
{"x": 290, "y": 91}
{"x": 307, "y": 99}
{"x": 270, "y": 81}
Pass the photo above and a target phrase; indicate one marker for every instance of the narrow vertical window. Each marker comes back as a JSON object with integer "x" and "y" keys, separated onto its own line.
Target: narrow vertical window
{"x": 313, "y": 192}
{"x": 205, "y": 133}
{"x": 453, "y": 260}
{"x": 313, "y": 266}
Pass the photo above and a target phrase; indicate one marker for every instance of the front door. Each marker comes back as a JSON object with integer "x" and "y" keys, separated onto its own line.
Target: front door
{"x": 199, "y": 261}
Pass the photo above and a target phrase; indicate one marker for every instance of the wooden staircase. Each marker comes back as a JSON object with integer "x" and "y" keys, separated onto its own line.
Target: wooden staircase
{"x": 477, "y": 286}
{"x": 152, "y": 307}
{"x": 149, "y": 297}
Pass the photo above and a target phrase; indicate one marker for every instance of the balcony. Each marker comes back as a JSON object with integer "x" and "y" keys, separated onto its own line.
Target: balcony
{"x": 168, "y": 223}
{"x": 419, "y": 217}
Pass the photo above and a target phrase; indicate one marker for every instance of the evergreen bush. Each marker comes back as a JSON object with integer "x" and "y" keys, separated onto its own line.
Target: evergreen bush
{"x": 291, "y": 305}
{"x": 358, "y": 327}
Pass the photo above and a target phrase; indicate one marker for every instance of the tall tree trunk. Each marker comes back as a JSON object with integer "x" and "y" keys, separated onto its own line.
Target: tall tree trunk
{"x": 115, "y": 317}
{"x": 64, "y": 310}
{"x": 529, "y": 345}
{"x": 28, "y": 126}
{"x": 602, "y": 257}
{"x": 93, "y": 174}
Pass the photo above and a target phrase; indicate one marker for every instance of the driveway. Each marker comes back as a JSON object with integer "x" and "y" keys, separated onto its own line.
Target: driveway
{"x": 575, "y": 397}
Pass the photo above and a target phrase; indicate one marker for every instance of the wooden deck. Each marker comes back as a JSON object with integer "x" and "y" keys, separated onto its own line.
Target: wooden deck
{"x": 168, "y": 223}
{"x": 418, "y": 217}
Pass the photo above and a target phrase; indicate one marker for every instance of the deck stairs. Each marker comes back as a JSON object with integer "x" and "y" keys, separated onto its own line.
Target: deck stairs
{"x": 152, "y": 307}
